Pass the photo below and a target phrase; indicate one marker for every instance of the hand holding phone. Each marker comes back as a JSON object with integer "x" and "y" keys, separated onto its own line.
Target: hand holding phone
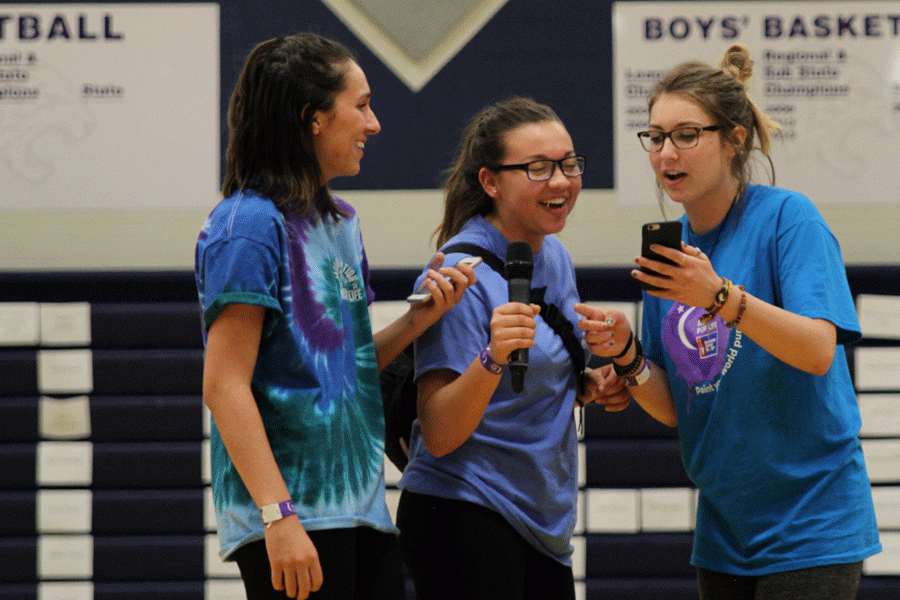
{"x": 663, "y": 233}
{"x": 471, "y": 261}
{"x": 423, "y": 293}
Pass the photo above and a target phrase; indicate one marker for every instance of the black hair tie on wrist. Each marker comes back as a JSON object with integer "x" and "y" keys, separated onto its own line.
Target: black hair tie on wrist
{"x": 632, "y": 368}
{"x": 627, "y": 345}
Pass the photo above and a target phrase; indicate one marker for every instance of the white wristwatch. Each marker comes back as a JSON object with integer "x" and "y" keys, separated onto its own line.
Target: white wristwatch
{"x": 274, "y": 512}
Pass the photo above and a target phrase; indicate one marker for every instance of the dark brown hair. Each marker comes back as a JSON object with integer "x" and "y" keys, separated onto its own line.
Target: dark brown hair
{"x": 270, "y": 147}
{"x": 483, "y": 145}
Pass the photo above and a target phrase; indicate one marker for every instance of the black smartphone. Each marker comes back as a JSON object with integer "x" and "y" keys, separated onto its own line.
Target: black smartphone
{"x": 664, "y": 233}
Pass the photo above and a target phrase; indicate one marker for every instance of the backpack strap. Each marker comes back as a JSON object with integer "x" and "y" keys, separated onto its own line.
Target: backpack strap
{"x": 489, "y": 258}
{"x": 565, "y": 330}
{"x": 550, "y": 312}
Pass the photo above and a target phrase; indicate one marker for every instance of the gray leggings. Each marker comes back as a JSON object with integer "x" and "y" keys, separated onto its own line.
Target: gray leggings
{"x": 829, "y": 582}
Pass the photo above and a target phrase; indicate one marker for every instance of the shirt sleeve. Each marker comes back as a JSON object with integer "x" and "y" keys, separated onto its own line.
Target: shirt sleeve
{"x": 650, "y": 331}
{"x": 811, "y": 272}
{"x": 238, "y": 271}
{"x": 457, "y": 338}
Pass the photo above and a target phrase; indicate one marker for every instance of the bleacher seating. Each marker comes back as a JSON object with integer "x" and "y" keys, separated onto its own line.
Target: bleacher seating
{"x": 104, "y": 485}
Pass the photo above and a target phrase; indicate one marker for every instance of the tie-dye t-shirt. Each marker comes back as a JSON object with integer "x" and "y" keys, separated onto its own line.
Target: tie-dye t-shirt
{"x": 773, "y": 450}
{"x": 316, "y": 379}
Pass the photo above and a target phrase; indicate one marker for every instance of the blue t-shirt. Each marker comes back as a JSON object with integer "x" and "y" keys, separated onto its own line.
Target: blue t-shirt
{"x": 316, "y": 379}
{"x": 774, "y": 451}
{"x": 521, "y": 461}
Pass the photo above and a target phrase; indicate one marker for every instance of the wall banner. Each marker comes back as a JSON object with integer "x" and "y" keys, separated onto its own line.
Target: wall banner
{"x": 109, "y": 105}
{"x": 828, "y": 72}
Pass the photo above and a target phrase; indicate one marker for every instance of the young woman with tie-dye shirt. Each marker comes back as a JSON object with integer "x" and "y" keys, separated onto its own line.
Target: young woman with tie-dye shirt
{"x": 291, "y": 368}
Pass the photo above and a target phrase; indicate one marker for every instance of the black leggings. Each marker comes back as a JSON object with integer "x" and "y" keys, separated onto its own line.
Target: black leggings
{"x": 357, "y": 564}
{"x": 458, "y": 550}
{"x": 829, "y": 582}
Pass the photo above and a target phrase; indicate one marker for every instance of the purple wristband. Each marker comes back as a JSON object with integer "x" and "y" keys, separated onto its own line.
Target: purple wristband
{"x": 488, "y": 363}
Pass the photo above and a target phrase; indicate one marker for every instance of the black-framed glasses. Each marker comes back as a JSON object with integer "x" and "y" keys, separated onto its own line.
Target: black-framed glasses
{"x": 542, "y": 170}
{"x": 684, "y": 138}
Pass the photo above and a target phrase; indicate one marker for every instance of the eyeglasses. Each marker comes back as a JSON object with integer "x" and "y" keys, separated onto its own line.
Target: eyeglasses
{"x": 684, "y": 138}
{"x": 542, "y": 170}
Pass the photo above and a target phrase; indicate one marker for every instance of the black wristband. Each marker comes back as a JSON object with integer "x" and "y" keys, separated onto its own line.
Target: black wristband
{"x": 629, "y": 369}
{"x": 627, "y": 345}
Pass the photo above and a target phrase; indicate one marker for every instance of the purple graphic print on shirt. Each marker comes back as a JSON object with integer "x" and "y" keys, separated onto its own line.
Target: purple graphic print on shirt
{"x": 698, "y": 349}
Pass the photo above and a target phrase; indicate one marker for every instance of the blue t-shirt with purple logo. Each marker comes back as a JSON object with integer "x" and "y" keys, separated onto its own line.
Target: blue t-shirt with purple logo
{"x": 316, "y": 380}
{"x": 773, "y": 450}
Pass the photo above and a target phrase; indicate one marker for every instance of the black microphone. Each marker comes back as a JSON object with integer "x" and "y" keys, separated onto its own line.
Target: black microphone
{"x": 519, "y": 267}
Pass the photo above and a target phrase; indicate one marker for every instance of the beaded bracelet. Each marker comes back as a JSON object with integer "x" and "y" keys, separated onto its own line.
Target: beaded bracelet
{"x": 740, "y": 312}
{"x": 721, "y": 299}
{"x": 637, "y": 369}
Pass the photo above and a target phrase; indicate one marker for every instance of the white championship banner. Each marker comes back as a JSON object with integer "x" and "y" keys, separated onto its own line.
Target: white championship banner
{"x": 828, "y": 72}
{"x": 109, "y": 105}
